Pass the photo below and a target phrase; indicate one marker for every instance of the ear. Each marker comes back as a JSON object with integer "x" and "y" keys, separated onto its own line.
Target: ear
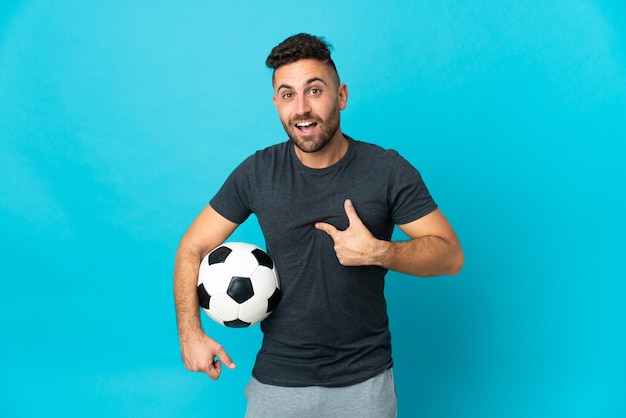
{"x": 343, "y": 96}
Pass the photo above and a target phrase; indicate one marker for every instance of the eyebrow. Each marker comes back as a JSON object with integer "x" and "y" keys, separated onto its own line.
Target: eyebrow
{"x": 309, "y": 81}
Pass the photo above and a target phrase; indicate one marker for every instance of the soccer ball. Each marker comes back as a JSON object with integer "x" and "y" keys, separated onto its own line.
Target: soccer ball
{"x": 238, "y": 285}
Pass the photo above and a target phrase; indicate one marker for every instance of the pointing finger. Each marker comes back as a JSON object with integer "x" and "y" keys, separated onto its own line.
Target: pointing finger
{"x": 328, "y": 228}
{"x": 225, "y": 358}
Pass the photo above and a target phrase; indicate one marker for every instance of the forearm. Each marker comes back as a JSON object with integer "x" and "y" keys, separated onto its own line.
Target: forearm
{"x": 200, "y": 353}
{"x": 425, "y": 256}
{"x": 186, "y": 267}
{"x": 206, "y": 232}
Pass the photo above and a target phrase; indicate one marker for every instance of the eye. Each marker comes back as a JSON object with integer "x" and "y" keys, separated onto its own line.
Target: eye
{"x": 287, "y": 95}
{"x": 315, "y": 91}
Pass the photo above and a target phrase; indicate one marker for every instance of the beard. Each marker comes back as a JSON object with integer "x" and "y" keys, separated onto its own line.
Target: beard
{"x": 327, "y": 128}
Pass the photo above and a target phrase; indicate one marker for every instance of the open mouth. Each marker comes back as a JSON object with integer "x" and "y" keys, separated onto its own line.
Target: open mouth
{"x": 306, "y": 126}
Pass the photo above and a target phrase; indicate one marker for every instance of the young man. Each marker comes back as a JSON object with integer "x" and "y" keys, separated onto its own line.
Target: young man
{"x": 327, "y": 205}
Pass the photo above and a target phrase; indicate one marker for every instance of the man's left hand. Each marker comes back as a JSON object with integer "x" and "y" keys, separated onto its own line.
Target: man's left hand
{"x": 354, "y": 246}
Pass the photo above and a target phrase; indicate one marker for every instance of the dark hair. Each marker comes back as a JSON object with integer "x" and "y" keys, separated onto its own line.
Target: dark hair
{"x": 299, "y": 47}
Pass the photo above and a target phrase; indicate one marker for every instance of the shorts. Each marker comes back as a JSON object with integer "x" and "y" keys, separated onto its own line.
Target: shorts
{"x": 373, "y": 398}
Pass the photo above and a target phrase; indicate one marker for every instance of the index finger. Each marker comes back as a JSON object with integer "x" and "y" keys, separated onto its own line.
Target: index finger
{"x": 221, "y": 354}
{"x": 328, "y": 228}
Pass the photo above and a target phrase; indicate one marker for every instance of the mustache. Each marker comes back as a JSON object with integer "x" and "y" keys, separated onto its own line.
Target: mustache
{"x": 306, "y": 118}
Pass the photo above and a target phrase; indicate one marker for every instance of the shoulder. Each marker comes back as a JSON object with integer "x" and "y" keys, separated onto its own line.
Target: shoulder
{"x": 369, "y": 147}
{"x": 266, "y": 157}
{"x": 276, "y": 150}
{"x": 372, "y": 153}
{"x": 385, "y": 163}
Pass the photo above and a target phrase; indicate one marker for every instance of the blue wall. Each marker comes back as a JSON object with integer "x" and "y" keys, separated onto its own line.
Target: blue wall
{"x": 119, "y": 120}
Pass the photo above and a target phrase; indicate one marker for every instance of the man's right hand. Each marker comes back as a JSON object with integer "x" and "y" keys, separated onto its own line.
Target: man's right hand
{"x": 201, "y": 353}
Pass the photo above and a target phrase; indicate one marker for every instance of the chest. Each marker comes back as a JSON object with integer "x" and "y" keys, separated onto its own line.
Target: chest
{"x": 292, "y": 202}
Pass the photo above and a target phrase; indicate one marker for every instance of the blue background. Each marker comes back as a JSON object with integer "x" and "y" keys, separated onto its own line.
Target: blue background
{"x": 120, "y": 119}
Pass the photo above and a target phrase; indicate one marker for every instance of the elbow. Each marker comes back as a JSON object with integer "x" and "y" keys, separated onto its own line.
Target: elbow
{"x": 189, "y": 249}
{"x": 457, "y": 259}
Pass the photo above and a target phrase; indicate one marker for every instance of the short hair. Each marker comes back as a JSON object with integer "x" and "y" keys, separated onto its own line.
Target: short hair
{"x": 299, "y": 47}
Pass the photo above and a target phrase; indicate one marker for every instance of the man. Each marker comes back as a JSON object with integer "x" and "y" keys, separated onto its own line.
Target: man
{"x": 327, "y": 205}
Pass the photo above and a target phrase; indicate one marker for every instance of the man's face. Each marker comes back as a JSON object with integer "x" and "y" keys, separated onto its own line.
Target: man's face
{"x": 309, "y": 99}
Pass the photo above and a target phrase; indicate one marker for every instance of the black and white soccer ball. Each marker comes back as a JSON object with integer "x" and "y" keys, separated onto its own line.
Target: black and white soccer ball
{"x": 238, "y": 284}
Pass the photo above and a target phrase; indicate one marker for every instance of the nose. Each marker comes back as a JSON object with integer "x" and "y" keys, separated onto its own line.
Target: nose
{"x": 302, "y": 105}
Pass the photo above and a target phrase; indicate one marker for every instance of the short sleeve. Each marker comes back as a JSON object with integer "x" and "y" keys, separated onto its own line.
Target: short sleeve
{"x": 232, "y": 200}
{"x": 408, "y": 196}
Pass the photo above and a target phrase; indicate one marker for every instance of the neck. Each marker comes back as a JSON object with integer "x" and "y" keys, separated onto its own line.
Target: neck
{"x": 327, "y": 156}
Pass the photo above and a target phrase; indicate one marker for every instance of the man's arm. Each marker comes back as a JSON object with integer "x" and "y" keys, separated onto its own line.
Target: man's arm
{"x": 198, "y": 350}
{"x": 433, "y": 248}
